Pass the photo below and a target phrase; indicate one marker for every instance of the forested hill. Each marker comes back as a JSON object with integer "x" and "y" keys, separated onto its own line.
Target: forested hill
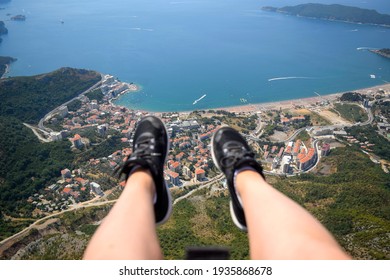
{"x": 26, "y": 165}
{"x": 30, "y": 98}
{"x": 334, "y": 12}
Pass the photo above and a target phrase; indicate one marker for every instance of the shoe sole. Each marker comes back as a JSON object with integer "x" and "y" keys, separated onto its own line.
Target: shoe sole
{"x": 169, "y": 212}
{"x": 232, "y": 214}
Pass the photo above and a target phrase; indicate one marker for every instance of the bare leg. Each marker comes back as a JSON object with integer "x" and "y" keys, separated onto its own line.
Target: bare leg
{"x": 279, "y": 228}
{"x": 129, "y": 230}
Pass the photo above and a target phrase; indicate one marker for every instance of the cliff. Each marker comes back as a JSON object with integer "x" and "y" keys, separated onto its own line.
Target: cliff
{"x": 334, "y": 12}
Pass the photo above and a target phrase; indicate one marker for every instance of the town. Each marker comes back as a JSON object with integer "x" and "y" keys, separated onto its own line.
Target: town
{"x": 288, "y": 140}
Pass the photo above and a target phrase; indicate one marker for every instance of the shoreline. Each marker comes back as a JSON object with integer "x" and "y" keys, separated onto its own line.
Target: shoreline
{"x": 6, "y": 71}
{"x": 283, "y": 104}
{"x": 307, "y": 101}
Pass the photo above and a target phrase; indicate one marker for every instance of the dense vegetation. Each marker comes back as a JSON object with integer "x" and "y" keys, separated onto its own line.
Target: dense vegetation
{"x": 352, "y": 97}
{"x": 335, "y": 12}
{"x": 350, "y": 112}
{"x": 30, "y": 98}
{"x": 26, "y": 165}
{"x": 381, "y": 146}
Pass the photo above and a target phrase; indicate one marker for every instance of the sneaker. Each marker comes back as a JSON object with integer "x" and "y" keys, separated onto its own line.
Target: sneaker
{"x": 231, "y": 152}
{"x": 150, "y": 150}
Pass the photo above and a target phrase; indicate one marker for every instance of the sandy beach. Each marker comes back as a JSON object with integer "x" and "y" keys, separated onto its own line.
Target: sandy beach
{"x": 288, "y": 104}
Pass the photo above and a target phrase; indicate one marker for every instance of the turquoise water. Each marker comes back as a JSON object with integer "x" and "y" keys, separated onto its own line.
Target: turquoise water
{"x": 180, "y": 50}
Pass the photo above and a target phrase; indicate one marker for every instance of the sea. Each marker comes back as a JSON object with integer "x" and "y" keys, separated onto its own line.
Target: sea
{"x": 219, "y": 53}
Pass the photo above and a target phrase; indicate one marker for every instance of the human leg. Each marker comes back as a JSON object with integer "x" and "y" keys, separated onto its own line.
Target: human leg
{"x": 129, "y": 230}
{"x": 278, "y": 228}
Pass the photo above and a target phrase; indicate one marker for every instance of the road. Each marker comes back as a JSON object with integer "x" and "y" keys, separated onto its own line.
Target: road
{"x": 91, "y": 203}
{"x": 53, "y": 112}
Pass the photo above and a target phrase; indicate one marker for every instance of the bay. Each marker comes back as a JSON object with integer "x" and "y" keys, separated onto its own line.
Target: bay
{"x": 178, "y": 51}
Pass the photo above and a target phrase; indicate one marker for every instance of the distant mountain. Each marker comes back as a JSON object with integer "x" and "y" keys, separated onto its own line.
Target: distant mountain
{"x": 334, "y": 12}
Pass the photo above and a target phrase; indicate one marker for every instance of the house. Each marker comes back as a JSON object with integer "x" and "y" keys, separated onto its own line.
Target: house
{"x": 200, "y": 174}
{"x": 76, "y": 141}
{"x": 297, "y": 148}
{"x": 66, "y": 173}
{"x": 95, "y": 187}
{"x": 173, "y": 177}
{"x": 174, "y": 166}
{"x": 325, "y": 149}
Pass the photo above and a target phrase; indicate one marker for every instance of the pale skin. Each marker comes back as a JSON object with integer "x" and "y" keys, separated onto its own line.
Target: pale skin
{"x": 278, "y": 228}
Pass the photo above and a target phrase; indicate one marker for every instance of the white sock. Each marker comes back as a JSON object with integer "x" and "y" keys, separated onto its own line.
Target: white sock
{"x": 245, "y": 168}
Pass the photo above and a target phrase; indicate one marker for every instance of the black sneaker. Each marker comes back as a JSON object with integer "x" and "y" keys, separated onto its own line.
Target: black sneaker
{"x": 150, "y": 150}
{"x": 231, "y": 152}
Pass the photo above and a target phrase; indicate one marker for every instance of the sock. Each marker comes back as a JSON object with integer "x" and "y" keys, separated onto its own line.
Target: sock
{"x": 235, "y": 178}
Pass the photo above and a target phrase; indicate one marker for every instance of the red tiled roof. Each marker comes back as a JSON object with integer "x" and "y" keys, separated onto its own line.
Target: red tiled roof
{"x": 199, "y": 171}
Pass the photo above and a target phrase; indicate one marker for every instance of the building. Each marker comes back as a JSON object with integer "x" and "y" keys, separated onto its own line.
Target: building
{"x": 200, "y": 175}
{"x": 95, "y": 187}
{"x": 55, "y": 136}
{"x": 66, "y": 173}
{"x": 297, "y": 147}
{"x": 308, "y": 161}
{"x": 187, "y": 171}
{"x": 76, "y": 141}
{"x": 63, "y": 111}
{"x": 325, "y": 149}
{"x": 102, "y": 129}
{"x": 174, "y": 165}
{"x": 173, "y": 177}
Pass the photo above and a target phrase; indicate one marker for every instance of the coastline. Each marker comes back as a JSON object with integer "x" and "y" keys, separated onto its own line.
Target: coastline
{"x": 291, "y": 103}
{"x": 6, "y": 71}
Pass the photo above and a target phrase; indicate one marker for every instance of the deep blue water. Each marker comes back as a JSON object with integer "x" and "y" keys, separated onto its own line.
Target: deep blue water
{"x": 179, "y": 50}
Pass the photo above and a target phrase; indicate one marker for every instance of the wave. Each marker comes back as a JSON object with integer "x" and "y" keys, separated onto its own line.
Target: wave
{"x": 287, "y": 78}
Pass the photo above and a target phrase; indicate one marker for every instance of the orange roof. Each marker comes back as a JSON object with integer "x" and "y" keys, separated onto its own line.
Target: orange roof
{"x": 175, "y": 164}
{"x": 199, "y": 171}
{"x": 172, "y": 174}
{"x": 67, "y": 190}
{"x": 81, "y": 180}
{"x": 301, "y": 156}
{"x": 76, "y": 137}
{"x": 63, "y": 172}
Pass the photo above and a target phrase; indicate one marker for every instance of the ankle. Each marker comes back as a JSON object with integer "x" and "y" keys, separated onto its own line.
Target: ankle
{"x": 143, "y": 178}
{"x": 247, "y": 178}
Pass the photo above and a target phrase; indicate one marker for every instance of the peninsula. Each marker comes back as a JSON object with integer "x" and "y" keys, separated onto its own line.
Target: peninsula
{"x": 3, "y": 30}
{"x": 334, "y": 12}
{"x": 382, "y": 52}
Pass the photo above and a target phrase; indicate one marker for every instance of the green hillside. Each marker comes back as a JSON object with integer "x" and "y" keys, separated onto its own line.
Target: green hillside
{"x": 335, "y": 12}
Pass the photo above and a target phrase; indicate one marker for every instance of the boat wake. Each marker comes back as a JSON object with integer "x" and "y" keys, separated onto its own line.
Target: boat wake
{"x": 142, "y": 29}
{"x": 199, "y": 99}
{"x": 287, "y": 78}
{"x": 365, "y": 49}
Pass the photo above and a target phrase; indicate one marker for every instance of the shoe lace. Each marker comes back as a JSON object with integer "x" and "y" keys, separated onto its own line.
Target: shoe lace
{"x": 236, "y": 152}
{"x": 144, "y": 149}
